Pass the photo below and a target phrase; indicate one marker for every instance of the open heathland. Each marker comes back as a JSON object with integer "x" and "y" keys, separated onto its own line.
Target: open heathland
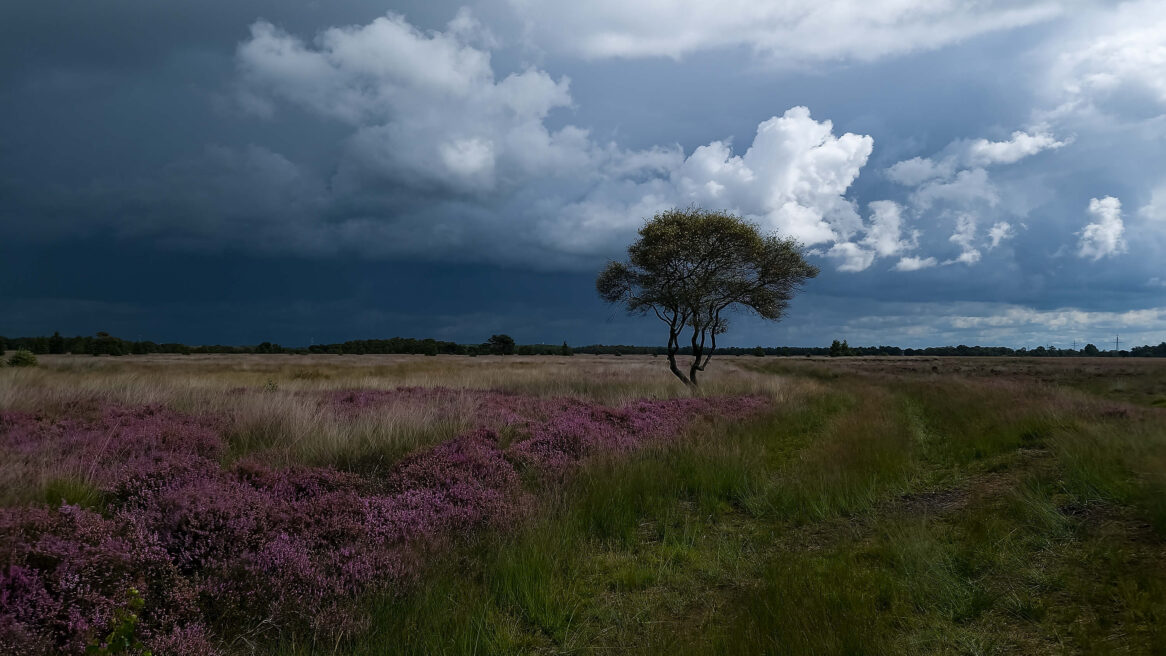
{"x": 291, "y": 504}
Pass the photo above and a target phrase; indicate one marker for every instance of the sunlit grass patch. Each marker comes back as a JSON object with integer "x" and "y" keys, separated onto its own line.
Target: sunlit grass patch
{"x": 866, "y": 453}
{"x": 1119, "y": 460}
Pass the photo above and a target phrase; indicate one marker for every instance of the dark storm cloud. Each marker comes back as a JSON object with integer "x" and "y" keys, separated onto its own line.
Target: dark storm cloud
{"x": 959, "y": 192}
{"x": 204, "y": 297}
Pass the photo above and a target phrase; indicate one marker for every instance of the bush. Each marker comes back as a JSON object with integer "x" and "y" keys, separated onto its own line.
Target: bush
{"x": 22, "y": 358}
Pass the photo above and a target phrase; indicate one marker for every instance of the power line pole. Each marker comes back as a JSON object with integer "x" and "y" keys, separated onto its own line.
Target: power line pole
{"x": 1117, "y": 343}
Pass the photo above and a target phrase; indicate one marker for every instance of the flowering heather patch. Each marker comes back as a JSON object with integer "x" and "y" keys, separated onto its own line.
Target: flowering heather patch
{"x": 105, "y": 443}
{"x": 250, "y": 548}
{"x": 534, "y": 415}
{"x": 580, "y": 429}
{"x": 489, "y": 408}
{"x": 67, "y": 573}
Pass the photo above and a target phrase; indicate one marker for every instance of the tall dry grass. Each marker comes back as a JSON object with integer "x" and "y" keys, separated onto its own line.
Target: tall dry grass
{"x": 191, "y": 381}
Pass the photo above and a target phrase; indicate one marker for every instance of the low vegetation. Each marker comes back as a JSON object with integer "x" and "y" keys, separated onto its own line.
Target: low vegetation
{"x": 583, "y": 505}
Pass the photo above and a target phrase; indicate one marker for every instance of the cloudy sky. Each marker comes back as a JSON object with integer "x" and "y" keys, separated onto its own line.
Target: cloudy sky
{"x": 245, "y": 170}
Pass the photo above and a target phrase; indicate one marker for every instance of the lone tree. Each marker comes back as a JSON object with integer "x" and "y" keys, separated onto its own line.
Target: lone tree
{"x": 692, "y": 267}
{"x": 500, "y": 344}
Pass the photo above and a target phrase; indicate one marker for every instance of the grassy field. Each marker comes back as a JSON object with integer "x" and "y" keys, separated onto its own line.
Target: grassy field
{"x": 870, "y": 506}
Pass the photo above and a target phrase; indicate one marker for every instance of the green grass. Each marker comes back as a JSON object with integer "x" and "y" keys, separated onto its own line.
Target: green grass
{"x": 72, "y": 491}
{"x": 876, "y": 515}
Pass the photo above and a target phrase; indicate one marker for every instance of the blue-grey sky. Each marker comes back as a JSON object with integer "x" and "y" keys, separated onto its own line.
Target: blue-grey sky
{"x": 247, "y": 170}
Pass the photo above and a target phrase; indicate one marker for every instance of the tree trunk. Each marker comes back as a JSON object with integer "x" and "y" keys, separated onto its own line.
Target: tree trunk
{"x": 698, "y": 348}
{"x": 697, "y": 352}
{"x": 673, "y": 347}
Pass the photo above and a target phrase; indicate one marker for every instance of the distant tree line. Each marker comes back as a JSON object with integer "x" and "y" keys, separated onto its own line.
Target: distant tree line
{"x": 105, "y": 344}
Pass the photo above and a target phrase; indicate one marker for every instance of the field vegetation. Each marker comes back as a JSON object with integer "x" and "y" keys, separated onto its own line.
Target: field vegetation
{"x": 454, "y": 505}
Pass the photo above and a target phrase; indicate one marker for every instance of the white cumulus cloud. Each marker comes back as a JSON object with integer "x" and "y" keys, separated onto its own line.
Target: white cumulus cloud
{"x": 792, "y": 177}
{"x": 963, "y": 156}
{"x": 965, "y": 237}
{"x": 1155, "y": 210}
{"x": 917, "y": 170}
{"x": 982, "y": 152}
{"x": 885, "y": 234}
{"x": 1105, "y": 236}
{"x": 999, "y": 232}
{"x": 911, "y": 263}
{"x": 1070, "y": 318}
{"x": 1117, "y": 57}
{"x": 967, "y": 188}
{"x": 854, "y": 257}
{"x": 432, "y": 121}
{"x": 781, "y": 31}
{"x": 955, "y": 185}
{"x": 427, "y": 108}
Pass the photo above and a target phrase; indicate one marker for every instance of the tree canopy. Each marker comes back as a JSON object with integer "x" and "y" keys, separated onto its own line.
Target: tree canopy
{"x": 692, "y": 267}
{"x": 500, "y": 345}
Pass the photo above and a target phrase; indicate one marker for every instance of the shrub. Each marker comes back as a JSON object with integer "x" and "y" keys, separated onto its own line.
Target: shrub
{"x": 22, "y": 358}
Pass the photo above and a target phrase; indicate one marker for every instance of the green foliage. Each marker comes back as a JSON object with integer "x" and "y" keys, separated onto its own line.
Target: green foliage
{"x": 566, "y": 350}
{"x": 22, "y": 358}
{"x": 691, "y": 267}
{"x": 122, "y": 638}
